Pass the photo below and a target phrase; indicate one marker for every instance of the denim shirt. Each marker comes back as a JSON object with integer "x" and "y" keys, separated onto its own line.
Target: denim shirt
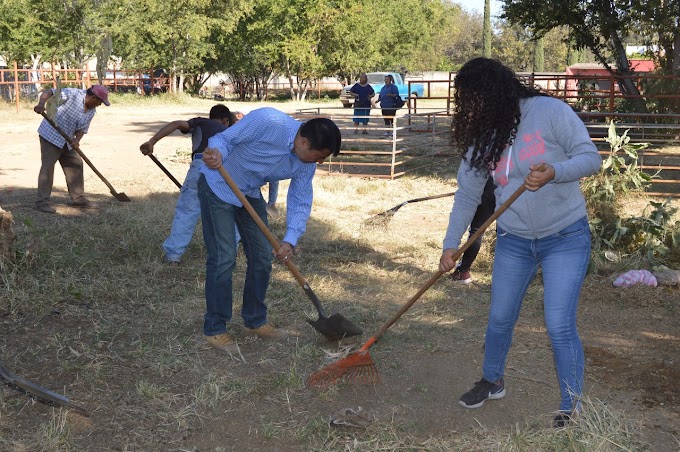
{"x": 259, "y": 149}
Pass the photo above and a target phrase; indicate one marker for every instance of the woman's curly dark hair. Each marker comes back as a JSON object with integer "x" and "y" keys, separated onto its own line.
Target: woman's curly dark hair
{"x": 486, "y": 112}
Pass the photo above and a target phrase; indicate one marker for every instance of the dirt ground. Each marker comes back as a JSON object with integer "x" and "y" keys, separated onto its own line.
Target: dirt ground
{"x": 632, "y": 337}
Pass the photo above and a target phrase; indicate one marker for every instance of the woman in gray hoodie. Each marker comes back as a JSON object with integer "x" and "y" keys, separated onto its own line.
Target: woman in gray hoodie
{"x": 520, "y": 136}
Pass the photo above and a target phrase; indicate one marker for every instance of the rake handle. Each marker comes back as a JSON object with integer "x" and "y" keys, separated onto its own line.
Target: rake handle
{"x": 439, "y": 273}
{"x": 427, "y": 198}
{"x": 272, "y": 239}
{"x": 82, "y": 155}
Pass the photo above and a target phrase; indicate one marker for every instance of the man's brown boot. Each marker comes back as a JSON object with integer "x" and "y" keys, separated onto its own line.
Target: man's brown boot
{"x": 223, "y": 342}
{"x": 267, "y": 331}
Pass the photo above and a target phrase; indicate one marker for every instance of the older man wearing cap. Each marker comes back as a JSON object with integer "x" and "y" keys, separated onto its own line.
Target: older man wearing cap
{"x": 74, "y": 114}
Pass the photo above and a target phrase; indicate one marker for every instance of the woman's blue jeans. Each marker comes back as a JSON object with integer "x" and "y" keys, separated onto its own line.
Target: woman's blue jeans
{"x": 564, "y": 259}
{"x": 219, "y": 219}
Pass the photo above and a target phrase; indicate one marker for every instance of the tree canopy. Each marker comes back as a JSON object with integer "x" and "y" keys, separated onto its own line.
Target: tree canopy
{"x": 603, "y": 27}
{"x": 304, "y": 40}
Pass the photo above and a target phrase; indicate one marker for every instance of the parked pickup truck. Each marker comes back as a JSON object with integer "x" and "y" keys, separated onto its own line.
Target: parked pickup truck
{"x": 377, "y": 81}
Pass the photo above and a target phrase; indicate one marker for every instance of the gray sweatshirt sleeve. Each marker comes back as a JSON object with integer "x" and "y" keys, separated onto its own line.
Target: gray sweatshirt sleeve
{"x": 468, "y": 197}
{"x": 572, "y": 135}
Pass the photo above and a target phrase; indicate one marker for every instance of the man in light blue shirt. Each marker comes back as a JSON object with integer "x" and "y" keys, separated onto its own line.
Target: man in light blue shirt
{"x": 266, "y": 145}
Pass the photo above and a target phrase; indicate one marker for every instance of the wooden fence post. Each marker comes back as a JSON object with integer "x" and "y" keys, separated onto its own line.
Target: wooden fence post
{"x": 16, "y": 84}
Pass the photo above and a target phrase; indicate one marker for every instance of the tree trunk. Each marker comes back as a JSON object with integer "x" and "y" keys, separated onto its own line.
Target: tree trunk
{"x": 486, "y": 30}
{"x": 627, "y": 85}
{"x": 303, "y": 88}
{"x": 35, "y": 62}
{"x": 291, "y": 84}
{"x": 676, "y": 52}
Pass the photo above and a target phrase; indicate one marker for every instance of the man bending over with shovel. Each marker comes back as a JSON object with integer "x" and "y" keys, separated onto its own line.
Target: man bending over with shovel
{"x": 188, "y": 209}
{"x": 74, "y": 112}
{"x": 266, "y": 145}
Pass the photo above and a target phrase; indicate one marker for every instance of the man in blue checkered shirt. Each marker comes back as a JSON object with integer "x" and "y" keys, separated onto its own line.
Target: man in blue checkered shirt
{"x": 267, "y": 145}
{"x": 74, "y": 114}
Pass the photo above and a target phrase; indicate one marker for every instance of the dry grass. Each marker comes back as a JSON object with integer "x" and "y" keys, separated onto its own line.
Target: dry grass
{"x": 90, "y": 310}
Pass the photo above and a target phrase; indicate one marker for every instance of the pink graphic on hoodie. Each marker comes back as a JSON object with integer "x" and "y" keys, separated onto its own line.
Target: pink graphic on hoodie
{"x": 534, "y": 146}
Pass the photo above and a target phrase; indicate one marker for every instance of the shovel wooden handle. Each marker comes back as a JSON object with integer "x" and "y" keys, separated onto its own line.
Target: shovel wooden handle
{"x": 272, "y": 239}
{"x": 164, "y": 169}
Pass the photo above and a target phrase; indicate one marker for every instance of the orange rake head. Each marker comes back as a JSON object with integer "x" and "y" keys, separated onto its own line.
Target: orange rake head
{"x": 357, "y": 367}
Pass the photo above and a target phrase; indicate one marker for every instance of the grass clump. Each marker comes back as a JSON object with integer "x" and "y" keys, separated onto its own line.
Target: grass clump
{"x": 55, "y": 434}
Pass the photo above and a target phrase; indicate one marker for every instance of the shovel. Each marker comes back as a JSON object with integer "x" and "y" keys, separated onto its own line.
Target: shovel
{"x": 167, "y": 173}
{"x": 42, "y": 394}
{"x": 333, "y": 327}
{"x": 119, "y": 196}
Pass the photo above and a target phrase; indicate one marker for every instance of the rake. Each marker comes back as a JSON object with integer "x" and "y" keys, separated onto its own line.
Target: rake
{"x": 381, "y": 219}
{"x": 359, "y": 366}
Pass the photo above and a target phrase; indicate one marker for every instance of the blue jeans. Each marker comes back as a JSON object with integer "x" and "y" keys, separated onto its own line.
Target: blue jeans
{"x": 187, "y": 213}
{"x": 564, "y": 259}
{"x": 219, "y": 220}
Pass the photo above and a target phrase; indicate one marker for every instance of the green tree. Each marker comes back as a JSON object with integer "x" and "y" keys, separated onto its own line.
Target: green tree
{"x": 599, "y": 25}
{"x": 176, "y": 35}
{"x": 539, "y": 56}
{"x": 465, "y": 41}
{"x": 512, "y": 45}
{"x": 352, "y": 44}
{"x": 64, "y": 31}
{"x": 659, "y": 24}
{"x": 248, "y": 54}
{"x": 412, "y": 32}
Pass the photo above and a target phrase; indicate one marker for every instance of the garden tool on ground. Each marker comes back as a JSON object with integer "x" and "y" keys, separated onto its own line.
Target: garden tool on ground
{"x": 42, "y": 394}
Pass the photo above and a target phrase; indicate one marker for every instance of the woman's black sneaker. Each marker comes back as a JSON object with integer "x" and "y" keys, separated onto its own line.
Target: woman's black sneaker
{"x": 482, "y": 390}
{"x": 562, "y": 420}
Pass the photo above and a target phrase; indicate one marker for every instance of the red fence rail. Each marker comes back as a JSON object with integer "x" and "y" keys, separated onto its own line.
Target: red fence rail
{"x": 18, "y": 83}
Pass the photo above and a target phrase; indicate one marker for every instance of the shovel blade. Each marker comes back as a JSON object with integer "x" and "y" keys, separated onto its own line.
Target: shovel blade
{"x": 122, "y": 197}
{"x": 335, "y": 327}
